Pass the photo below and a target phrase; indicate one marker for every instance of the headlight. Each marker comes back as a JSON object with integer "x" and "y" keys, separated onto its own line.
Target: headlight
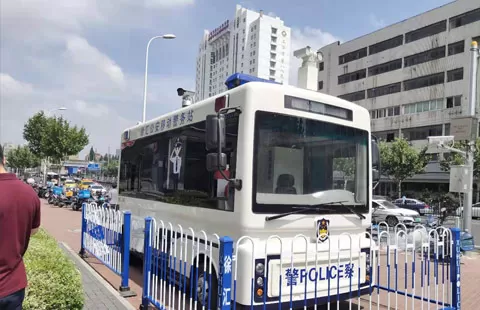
{"x": 260, "y": 281}
{"x": 260, "y": 268}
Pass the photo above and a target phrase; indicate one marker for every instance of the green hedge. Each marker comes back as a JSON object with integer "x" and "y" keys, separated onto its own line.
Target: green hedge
{"x": 54, "y": 283}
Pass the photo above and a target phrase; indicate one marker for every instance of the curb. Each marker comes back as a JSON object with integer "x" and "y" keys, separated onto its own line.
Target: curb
{"x": 107, "y": 285}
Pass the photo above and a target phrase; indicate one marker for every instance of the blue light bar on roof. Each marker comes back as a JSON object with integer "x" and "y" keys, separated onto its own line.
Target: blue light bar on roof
{"x": 238, "y": 79}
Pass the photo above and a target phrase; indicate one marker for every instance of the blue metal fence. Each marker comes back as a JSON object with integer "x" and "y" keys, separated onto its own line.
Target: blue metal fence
{"x": 401, "y": 268}
{"x": 106, "y": 235}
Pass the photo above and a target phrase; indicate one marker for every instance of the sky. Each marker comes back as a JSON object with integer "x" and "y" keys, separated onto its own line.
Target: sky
{"x": 89, "y": 56}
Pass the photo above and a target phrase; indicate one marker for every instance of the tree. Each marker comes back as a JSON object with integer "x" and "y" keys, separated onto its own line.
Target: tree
{"x": 53, "y": 138}
{"x": 458, "y": 159}
{"x": 91, "y": 154}
{"x": 33, "y": 133}
{"x": 110, "y": 168}
{"x": 401, "y": 161}
{"x": 22, "y": 158}
{"x": 453, "y": 159}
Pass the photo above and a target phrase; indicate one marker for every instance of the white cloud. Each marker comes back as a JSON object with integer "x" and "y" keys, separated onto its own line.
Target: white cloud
{"x": 308, "y": 36}
{"x": 376, "y": 22}
{"x": 165, "y": 4}
{"x": 88, "y": 58}
{"x": 10, "y": 88}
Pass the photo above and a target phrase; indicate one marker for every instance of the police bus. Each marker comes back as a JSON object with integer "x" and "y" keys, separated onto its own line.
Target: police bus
{"x": 260, "y": 159}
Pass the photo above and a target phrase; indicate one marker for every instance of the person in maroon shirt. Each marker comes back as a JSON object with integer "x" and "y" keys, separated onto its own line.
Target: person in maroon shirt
{"x": 19, "y": 219}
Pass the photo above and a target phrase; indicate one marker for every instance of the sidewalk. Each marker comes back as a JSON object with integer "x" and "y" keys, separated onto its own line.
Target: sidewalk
{"x": 99, "y": 295}
{"x": 65, "y": 226}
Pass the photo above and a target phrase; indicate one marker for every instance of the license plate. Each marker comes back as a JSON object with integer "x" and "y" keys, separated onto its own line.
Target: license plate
{"x": 313, "y": 276}
{"x": 418, "y": 220}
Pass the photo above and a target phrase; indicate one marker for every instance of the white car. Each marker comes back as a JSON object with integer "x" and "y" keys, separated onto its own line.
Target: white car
{"x": 97, "y": 187}
{"x": 475, "y": 211}
{"x": 385, "y": 211}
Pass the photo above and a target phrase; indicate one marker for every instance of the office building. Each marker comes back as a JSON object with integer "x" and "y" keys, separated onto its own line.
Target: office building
{"x": 251, "y": 42}
{"x": 413, "y": 76}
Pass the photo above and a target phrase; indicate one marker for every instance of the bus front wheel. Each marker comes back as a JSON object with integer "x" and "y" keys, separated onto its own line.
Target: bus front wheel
{"x": 207, "y": 287}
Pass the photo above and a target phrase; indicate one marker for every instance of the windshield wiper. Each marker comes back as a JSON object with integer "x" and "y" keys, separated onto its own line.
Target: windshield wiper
{"x": 352, "y": 210}
{"x": 303, "y": 209}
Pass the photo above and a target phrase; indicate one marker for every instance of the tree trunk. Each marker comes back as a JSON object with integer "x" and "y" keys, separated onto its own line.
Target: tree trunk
{"x": 399, "y": 189}
{"x": 345, "y": 184}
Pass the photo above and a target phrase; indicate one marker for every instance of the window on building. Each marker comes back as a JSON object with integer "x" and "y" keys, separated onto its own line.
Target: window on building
{"x": 421, "y": 133}
{"x": 320, "y": 85}
{"x": 352, "y": 56}
{"x": 455, "y": 75}
{"x": 424, "y": 81}
{"x": 456, "y": 48}
{"x": 426, "y": 31}
{"x": 385, "y": 112}
{"x": 385, "y": 45}
{"x": 423, "y": 106}
{"x": 435, "y": 53}
{"x": 385, "y": 67}
{"x": 476, "y": 39}
{"x": 384, "y": 90}
{"x": 321, "y": 66}
{"x": 274, "y": 30}
{"x": 356, "y": 96}
{"x": 454, "y": 101}
{"x": 465, "y": 19}
{"x": 353, "y": 76}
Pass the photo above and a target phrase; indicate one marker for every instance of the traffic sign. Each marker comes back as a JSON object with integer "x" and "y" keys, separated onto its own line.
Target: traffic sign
{"x": 93, "y": 167}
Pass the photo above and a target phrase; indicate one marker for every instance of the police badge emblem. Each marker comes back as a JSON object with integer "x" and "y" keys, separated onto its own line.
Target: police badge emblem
{"x": 322, "y": 229}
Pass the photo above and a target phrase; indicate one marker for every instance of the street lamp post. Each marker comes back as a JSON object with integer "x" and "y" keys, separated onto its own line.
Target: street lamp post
{"x": 45, "y": 161}
{"x": 165, "y": 36}
{"x": 467, "y": 208}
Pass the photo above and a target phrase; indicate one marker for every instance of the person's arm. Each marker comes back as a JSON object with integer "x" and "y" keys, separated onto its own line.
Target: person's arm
{"x": 36, "y": 217}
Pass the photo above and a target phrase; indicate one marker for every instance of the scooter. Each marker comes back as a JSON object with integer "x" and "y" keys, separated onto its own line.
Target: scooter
{"x": 82, "y": 197}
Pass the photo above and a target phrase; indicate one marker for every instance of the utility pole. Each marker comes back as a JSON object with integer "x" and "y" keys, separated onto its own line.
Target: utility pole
{"x": 467, "y": 205}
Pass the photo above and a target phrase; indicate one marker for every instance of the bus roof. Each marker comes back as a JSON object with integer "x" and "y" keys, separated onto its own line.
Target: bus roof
{"x": 186, "y": 115}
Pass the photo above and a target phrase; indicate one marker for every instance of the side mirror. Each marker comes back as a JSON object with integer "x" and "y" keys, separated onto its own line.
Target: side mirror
{"x": 376, "y": 165}
{"x": 216, "y": 162}
{"x": 215, "y": 132}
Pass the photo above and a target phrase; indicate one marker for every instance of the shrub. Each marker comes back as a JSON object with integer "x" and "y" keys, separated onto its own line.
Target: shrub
{"x": 53, "y": 280}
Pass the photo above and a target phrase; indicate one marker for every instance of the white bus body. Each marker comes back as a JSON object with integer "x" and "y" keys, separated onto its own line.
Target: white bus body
{"x": 286, "y": 158}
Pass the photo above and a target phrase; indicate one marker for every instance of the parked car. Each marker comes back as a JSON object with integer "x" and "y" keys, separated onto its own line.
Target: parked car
{"x": 385, "y": 211}
{"x": 95, "y": 188}
{"x": 475, "y": 211}
{"x": 413, "y": 204}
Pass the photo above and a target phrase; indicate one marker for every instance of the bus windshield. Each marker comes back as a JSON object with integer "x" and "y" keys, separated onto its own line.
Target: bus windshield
{"x": 305, "y": 162}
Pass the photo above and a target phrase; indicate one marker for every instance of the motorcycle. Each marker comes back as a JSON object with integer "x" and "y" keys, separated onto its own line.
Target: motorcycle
{"x": 67, "y": 199}
{"x": 82, "y": 197}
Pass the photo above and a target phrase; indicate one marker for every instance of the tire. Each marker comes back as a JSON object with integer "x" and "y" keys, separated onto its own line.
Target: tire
{"x": 392, "y": 221}
{"x": 199, "y": 288}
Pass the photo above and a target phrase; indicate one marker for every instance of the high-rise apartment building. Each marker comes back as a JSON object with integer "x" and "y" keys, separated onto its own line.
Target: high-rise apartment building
{"x": 252, "y": 43}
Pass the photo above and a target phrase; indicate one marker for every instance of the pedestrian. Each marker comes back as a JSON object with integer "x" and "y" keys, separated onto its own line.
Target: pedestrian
{"x": 19, "y": 219}
{"x": 113, "y": 194}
